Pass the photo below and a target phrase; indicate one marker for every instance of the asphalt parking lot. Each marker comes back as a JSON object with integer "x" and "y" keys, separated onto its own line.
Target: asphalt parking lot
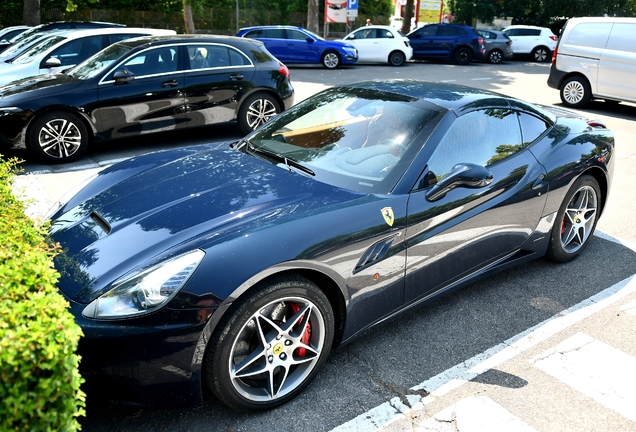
{"x": 500, "y": 354}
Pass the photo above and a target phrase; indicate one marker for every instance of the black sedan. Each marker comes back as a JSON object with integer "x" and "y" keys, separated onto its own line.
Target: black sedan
{"x": 239, "y": 266}
{"x": 144, "y": 85}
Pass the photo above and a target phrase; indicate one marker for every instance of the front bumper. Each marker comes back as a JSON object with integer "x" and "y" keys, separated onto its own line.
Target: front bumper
{"x": 13, "y": 122}
{"x": 149, "y": 359}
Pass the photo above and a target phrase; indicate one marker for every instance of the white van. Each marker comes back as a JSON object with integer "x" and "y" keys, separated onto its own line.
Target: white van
{"x": 595, "y": 58}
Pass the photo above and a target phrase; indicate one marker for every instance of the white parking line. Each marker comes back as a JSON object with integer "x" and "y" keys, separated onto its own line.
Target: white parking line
{"x": 475, "y": 414}
{"x": 454, "y": 377}
{"x": 595, "y": 369}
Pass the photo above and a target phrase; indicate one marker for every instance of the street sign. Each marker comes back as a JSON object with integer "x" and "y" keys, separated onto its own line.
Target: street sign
{"x": 352, "y": 8}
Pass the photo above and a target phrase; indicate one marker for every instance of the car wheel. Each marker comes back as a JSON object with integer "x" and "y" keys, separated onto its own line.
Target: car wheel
{"x": 495, "y": 56}
{"x": 463, "y": 56}
{"x": 58, "y": 137}
{"x": 271, "y": 345}
{"x": 397, "y": 58}
{"x": 330, "y": 60}
{"x": 256, "y": 110}
{"x": 576, "y": 220}
{"x": 540, "y": 54}
{"x": 576, "y": 92}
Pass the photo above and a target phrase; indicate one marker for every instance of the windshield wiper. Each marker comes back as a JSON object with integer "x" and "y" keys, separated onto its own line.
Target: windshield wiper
{"x": 287, "y": 161}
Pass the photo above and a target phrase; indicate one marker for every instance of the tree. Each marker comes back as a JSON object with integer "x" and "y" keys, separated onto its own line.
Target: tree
{"x": 187, "y": 17}
{"x": 31, "y": 15}
{"x": 408, "y": 16}
{"x": 312, "y": 16}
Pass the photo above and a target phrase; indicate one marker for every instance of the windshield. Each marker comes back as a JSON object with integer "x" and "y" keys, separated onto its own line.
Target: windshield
{"x": 94, "y": 65}
{"x": 360, "y": 139}
{"x": 20, "y": 46}
{"x": 315, "y": 35}
{"x": 38, "y": 48}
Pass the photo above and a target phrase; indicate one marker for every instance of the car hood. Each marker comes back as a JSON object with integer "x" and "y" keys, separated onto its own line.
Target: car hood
{"x": 139, "y": 212}
{"x": 44, "y": 84}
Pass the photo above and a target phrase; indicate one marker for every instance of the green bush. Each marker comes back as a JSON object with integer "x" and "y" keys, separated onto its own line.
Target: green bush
{"x": 39, "y": 377}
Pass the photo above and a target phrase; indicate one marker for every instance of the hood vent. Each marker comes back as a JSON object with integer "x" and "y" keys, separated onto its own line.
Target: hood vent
{"x": 375, "y": 253}
{"x": 101, "y": 222}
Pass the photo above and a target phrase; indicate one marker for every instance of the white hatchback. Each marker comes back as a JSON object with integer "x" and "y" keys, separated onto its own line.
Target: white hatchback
{"x": 63, "y": 49}
{"x": 380, "y": 44}
{"x": 539, "y": 42}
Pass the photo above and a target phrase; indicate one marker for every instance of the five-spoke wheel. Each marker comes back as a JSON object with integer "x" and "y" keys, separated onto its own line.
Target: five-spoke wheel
{"x": 330, "y": 60}
{"x": 575, "y": 220}
{"x": 271, "y": 346}
{"x": 540, "y": 54}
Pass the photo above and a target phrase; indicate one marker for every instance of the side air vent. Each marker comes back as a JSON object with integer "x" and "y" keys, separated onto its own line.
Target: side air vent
{"x": 101, "y": 222}
{"x": 375, "y": 253}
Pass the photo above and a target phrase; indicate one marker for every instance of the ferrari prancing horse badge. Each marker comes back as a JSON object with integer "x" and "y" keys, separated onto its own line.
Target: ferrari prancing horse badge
{"x": 387, "y": 214}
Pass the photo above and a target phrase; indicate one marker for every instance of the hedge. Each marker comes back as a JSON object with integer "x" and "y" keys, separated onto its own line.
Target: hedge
{"x": 39, "y": 377}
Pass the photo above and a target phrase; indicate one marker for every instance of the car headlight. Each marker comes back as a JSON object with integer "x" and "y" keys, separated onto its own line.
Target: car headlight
{"x": 146, "y": 291}
{"x": 5, "y": 111}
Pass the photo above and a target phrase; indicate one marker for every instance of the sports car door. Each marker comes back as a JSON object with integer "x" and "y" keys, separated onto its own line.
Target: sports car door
{"x": 481, "y": 198}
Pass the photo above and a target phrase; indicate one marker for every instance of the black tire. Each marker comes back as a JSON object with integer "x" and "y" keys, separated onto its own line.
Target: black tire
{"x": 397, "y": 58}
{"x": 495, "y": 56}
{"x": 256, "y": 110}
{"x": 541, "y": 54}
{"x": 330, "y": 59}
{"x": 576, "y": 220}
{"x": 57, "y": 137}
{"x": 576, "y": 92}
{"x": 463, "y": 56}
{"x": 265, "y": 350}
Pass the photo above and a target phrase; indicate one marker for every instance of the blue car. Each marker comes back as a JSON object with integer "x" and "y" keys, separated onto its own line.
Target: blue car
{"x": 457, "y": 42}
{"x": 298, "y": 45}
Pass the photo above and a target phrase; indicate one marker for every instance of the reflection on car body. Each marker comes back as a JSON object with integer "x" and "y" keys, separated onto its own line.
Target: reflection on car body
{"x": 246, "y": 262}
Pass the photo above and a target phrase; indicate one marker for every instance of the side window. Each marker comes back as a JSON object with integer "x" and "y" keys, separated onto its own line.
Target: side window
{"x": 78, "y": 50}
{"x": 296, "y": 35}
{"x": 216, "y": 56}
{"x": 449, "y": 31}
{"x": 429, "y": 30}
{"x": 120, "y": 37}
{"x": 369, "y": 34}
{"x": 237, "y": 59}
{"x": 254, "y": 34}
{"x": 511, "y": 32}
{"x": 482, "y": 137}
{"x": 274, "y": 34}
{"x": 531, "y": 128}
{"x": 384, "y": 34}
{"x": 199, "y": 56}
{"x": 152, "y": 62}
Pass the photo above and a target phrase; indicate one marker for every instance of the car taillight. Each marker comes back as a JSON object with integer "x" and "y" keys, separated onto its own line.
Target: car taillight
{"x": 480, "y": 40}
{"x": 554, "y": 38}
{"x": 554, "y": 54}
{"x": 599, "y": 124}
{"x": 283, "y": 70}
{"x": 509, "y": 43}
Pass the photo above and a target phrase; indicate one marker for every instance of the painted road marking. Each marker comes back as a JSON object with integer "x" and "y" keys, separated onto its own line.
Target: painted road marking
{"x": 460, "y": 374}
{"x": 595, "y": 369}
{"x": 475, "y": 414}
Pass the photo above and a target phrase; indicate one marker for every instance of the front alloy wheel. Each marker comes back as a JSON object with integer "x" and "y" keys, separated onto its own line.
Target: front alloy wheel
{"x": 257, "y": 110}
{"x": 330, "y": 60}
{"x": 272, "y": 346}
{"x": 58, "y": 137}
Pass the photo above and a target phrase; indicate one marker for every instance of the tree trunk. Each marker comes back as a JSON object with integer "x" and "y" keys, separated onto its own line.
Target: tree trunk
{"x": 31, "y": 12}
{"x": 313, "y": 20}
{"x": 408, "y": 15}
{"x": 187, "y": 17}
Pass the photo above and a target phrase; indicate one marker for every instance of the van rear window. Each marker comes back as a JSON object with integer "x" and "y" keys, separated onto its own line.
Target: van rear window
{"x": 593, "y": 35}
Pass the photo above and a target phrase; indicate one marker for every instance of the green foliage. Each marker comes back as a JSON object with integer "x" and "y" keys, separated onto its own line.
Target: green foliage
{"x": 39, "y": 377}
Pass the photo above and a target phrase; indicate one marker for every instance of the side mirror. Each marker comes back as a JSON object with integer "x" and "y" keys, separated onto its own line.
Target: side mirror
{"x": 464, "y": 175}
{"x": 123, "y": 76}
{"x": 416, "y": 36}
{"x": 308, "y": 39}
{"x": 52, "y": 62}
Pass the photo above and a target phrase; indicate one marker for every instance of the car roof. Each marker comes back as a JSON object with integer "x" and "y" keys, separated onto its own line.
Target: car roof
{"x": 454, "y": 97}
{"x": 273, "y": 27}
{"x": 167, "y": 39}
{"x": 523, "y": 26}
{"x": 75, "y": 34}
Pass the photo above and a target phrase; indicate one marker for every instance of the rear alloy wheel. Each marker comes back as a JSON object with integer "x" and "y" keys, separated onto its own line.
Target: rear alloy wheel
{"x": 576, "y": 92}
{"x": 271, "y": 345}
{"x": 495, "y": 56}
{"x": 330, "y": 60}
{"x": 397, "y": 58}
{"x": 576, "y": 220}
{"x": 256, "y": 110}
{"x": 540, "y": 54}
{"x": 58, "y": 137}
{"x": 463, "y": 56}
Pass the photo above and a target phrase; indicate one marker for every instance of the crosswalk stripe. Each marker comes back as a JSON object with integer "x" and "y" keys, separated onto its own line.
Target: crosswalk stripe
{"x": 475, "y": 414}
{"x": 595, "y": 369}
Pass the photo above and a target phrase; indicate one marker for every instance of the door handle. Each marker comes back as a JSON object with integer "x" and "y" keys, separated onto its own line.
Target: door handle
{"x": 236, "y": 76}
{"x": 170, "y": 83}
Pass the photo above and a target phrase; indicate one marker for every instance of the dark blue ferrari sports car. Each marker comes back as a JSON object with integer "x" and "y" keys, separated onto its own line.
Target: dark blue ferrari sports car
{"x": 237, "y": 267}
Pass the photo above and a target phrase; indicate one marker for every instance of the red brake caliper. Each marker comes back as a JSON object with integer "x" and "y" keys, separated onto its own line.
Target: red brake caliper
{"x": 302, "y": 352}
